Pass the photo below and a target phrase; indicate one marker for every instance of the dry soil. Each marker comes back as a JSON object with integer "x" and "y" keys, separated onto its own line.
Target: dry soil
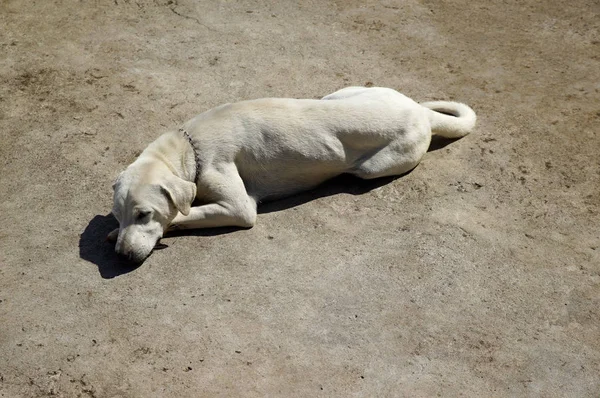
{"x": 477, "y": 275}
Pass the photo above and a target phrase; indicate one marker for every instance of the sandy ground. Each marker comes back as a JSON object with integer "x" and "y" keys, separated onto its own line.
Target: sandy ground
{"x": 478, "y": 274}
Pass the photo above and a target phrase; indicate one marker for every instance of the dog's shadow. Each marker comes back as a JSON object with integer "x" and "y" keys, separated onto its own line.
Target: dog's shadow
{"x": 94, "y": 247}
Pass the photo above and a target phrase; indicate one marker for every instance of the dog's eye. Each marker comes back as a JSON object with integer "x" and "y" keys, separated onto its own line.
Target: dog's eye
{"x": 142, "y": 215}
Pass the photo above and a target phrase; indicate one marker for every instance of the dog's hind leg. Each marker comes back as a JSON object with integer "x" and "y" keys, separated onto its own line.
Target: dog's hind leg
{"x": 230, "y": 204}
{"x": 392, "y": 160}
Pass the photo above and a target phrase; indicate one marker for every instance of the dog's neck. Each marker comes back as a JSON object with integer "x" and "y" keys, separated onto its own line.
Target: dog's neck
{"x": 180, "y": 158}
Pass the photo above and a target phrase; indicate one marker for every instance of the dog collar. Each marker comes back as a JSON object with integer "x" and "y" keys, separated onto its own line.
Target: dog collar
{"x": 194, "y": 150}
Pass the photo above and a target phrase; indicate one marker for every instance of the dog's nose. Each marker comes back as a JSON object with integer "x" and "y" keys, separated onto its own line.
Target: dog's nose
{"x": 124, "y": 256}
{"x": 130, "y": 258}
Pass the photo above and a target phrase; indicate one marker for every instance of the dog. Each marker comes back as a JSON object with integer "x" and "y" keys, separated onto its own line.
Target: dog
{"x": 236, "y": 155}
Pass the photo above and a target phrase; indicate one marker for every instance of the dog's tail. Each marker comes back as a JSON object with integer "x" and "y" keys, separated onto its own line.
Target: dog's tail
{"x": 450, "y": 119}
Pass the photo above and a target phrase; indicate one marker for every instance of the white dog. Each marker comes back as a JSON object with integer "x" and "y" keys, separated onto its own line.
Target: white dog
{"x": 236, "y": 155}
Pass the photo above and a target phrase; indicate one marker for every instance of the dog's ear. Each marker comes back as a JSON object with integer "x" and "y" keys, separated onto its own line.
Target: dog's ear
{"x": 116, "y": 180}
{"x": 180, "y": 192}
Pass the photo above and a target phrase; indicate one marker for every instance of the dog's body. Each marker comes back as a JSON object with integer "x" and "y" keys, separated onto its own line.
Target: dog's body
{"x": 242, "y": 153}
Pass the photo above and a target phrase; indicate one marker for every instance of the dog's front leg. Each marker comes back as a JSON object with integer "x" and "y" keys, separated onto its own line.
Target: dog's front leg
{"x": 113, "y": 235}
{"x": 232, "y": 205}
{"x": 216, "y": 215}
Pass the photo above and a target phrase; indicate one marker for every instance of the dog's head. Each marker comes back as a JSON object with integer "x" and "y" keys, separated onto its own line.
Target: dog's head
{"x": 147, "y": 197}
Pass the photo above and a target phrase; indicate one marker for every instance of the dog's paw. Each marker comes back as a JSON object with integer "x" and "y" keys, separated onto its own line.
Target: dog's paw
{"x": 113, "y": 235}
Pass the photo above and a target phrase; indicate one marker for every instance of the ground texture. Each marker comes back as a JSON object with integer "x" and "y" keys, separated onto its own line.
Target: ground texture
{"x": 477, "y": 275}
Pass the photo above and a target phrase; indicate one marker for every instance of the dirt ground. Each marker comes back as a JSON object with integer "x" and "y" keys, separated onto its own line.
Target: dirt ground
{"x": 477, "y": 275}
